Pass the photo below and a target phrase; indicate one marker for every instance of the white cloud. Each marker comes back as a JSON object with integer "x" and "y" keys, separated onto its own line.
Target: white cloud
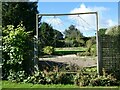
{"x": 110, "y": 23}
{"x": 33, "y": 0}
{"x": 85, "y": 23}
{"x": 90, "y": 20}
{"x": 55, "y": 22}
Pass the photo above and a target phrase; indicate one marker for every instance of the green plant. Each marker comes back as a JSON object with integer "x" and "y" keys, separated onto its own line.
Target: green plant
{"x": 104, "y": 81}
{"x": 48, "y": 50}
{"x": 50, "y": 78}
{"x": 113, "y": 31}
{"x": 89, "y": 77}
{"x": 84, "y": 54}
{"x": 93, "y": 50}
{"x": 16, "y": 51}
{"x": 84, "y": 77}
{"x": 16, "y": 76}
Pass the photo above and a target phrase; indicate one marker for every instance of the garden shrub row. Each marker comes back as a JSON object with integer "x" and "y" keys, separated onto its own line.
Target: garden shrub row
{"x": 85, "y": 77}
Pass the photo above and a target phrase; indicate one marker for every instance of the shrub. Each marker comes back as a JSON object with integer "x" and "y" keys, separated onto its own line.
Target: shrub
{"x": 16, "y": 51}
{"x": 93, "y": 50}
{"x": 16, "y": 76}
{"x": 50, "y": 78}
{"x": 84, "y": 54}
{"x": 104, "y": 81}
{"x": 84, "y": 77}
{"x": 48, "y": 50}
{"x": 113, "y": 31}
{"x": 89, "y": 77}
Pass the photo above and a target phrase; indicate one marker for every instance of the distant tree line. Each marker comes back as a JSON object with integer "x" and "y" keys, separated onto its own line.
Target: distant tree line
{"x": 72, "y": 37}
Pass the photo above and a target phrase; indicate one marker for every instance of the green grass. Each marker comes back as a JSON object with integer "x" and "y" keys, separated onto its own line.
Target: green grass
{"x": 69, "y": 50}
{"x": 8, "y": 84}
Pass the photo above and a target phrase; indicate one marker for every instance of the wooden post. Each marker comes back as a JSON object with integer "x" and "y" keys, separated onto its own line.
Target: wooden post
{"x": 99, "y": 58}
{"x": 36, "y": 47}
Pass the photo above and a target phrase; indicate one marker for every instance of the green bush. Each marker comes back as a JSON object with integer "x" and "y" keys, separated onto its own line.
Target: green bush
{"x": 84, "y": 54}
{"x": 104, "y": 81}
{"x": 17, "y": 51}
{"x": 113, "y": 31}
{"x": 48, "y": 50}
{"x": 85, "y": 77}
{"x": 93, "y": 50}
{"x": 50, "y": 78}
{"x": 16, "y": 76}
{"x": 89, "y": 77}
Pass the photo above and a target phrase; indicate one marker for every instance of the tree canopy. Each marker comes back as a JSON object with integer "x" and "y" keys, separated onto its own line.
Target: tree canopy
{"x": 46, "y": 34}
{"x": 73, "y": 36}
{"x": 113, "y": 31}
{"x": 49, "y": 36}
{"x": 72, "y": 33}
{"x": 102, "y": 31}
{"x": 15, "y": 12}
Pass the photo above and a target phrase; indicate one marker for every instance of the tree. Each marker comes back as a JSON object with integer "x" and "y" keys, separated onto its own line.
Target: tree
{"x": 15, "y": 12}
{"x": 58, "y": 35}
{"x": 113, "y": 31}
{"x": 58, "y": 39}
{"x": 46, "y": 35}
{"x": 102, "y": 31}
{"x": 74, "y": 35}
{"x": 49, "y": 36}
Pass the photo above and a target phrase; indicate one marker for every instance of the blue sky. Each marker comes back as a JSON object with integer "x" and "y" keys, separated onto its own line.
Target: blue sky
{"x": 108, "y": 15}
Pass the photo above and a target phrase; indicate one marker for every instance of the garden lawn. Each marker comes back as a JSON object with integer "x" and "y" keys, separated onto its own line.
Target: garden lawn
{"x": 69, "y": 50}
{"x": 8, "y": 84}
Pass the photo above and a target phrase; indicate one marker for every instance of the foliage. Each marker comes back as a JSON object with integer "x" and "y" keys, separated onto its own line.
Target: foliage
{"x": 17, "y": 51}
{"x": 73, "y": 36}
{"x": 90, "y": 78}
{"x": 48, "y": 50}
{"x": 102, "y": 31}
{"x": 50, "y": 78}
{"x": 84, "y": 54}
{"x": 72, "y": 33}
{"x": 104, "y": 81}
{"x": 15, "y": 12}
{"x": 18, "y": 76}
{"x": 49, "y": 36}
{"x": 113, "y": 31}
{"x": 58, "y": 39}
{"x": 46, "y": 35}
{"x": 58, "y": 35}
{"x": 113, "y": 41}
{"x": 93, "y": 50}
{"x": 85, "y": 77}
{"x": 90, "y": 42}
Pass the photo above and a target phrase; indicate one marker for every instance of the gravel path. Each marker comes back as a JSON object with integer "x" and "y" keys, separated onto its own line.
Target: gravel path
{"x": 85, "y": 61}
